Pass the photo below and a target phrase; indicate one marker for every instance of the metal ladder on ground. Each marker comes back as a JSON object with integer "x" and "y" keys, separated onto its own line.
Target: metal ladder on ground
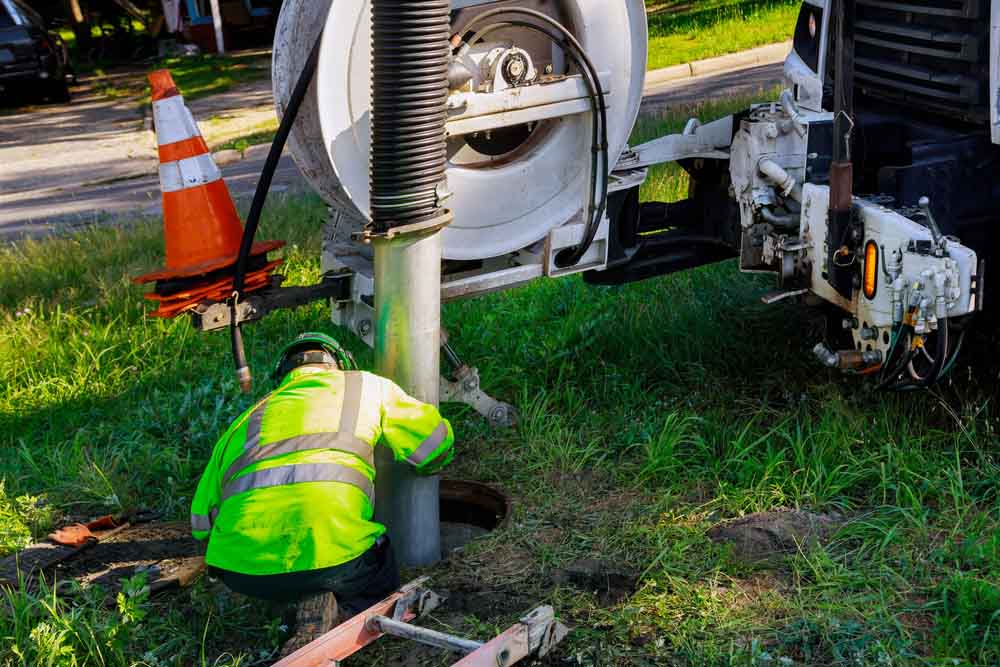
{"x": 534, "y": 635}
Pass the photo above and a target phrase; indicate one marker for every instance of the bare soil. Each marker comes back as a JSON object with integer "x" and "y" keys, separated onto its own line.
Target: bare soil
{"x": 609, "y": 582}
{"x": 167, "y": 553}
{"x": 766, "y": 535}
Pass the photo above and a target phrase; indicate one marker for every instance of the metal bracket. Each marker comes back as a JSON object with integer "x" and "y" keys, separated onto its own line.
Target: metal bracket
{"x": 437, "y": 223}
{"x": 544, "y": 631}
{"x": 216, "y": 315}
{"x": 417, "y": 602}
{"x": 465, "y": 389}
{"x": 771, "y": 298}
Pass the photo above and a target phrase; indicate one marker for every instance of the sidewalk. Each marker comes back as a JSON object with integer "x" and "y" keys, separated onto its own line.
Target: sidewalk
{"x": 762, "y": 55}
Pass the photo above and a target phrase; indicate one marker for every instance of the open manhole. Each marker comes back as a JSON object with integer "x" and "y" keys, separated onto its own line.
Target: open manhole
{"x": 469, "y": 510}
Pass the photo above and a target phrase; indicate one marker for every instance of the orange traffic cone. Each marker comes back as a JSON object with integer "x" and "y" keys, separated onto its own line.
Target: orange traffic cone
{"x": 201, "y": 228}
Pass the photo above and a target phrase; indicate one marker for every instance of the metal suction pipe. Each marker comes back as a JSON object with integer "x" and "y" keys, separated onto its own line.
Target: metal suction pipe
{"x": 781, "y": 178}
{"x": 410, "y": 57}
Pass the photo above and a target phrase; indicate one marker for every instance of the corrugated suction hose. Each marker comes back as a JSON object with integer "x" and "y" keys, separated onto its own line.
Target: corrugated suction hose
{"x": 410, "y": 54}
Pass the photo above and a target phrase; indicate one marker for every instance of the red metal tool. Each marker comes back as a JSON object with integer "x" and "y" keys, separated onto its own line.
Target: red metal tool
{"x": 353, "y": 635}
{"x": 534, "y": 635}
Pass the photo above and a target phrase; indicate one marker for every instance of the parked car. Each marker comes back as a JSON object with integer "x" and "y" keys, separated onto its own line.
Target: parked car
{"x": 32, "y": 57}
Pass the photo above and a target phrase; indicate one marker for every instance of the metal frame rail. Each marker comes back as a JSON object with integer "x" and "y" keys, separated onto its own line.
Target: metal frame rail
{"x": 534, "y": 635}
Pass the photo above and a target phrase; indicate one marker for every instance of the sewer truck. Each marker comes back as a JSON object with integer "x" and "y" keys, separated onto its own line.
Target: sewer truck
{"x": 868, "y": 187}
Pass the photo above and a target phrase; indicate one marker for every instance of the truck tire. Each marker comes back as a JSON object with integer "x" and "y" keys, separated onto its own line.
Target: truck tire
{"x": 59, "y": 91}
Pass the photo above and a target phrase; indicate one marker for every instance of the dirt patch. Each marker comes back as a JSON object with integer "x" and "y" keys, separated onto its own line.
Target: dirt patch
{"x": 765, "y": 535}
{"x": 608, "y": 582}
{"x": 485, "y": 604}
{"x": 167, "y": 553}
{"x": 470, "y": 610}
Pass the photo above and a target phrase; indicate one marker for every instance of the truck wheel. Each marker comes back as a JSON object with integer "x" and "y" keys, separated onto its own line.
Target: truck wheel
{"x": 59, "y": 92}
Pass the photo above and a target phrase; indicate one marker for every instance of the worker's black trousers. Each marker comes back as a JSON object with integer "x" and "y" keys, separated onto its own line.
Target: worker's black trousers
{"x": 357, "y": 584}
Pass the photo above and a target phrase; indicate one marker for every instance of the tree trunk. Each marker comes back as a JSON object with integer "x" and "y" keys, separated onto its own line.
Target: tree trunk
{"x": 76, "y": 12}
{"x": 81, "y": 28}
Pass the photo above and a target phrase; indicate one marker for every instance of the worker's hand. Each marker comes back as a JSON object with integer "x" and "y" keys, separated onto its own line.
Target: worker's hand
{"x": 75, "y": 535}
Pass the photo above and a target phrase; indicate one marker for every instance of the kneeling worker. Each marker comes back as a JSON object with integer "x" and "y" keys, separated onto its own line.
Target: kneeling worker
{"x": 286, "y": 501}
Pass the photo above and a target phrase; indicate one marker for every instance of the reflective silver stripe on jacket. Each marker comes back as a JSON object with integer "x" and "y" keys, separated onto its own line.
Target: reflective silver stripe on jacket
{"x": 299, "y": 474}
{"x": 303, "y": 443}
{"x": 201, "y": 523}
{"x": 253, "y": 426}
{"x": 350, "y": 413}
{"x": 342, "y": 439}
{"x": 430, "y": 445}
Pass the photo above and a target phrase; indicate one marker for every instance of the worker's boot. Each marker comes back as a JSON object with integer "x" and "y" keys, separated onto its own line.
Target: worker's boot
{"x": 314, "y": 617}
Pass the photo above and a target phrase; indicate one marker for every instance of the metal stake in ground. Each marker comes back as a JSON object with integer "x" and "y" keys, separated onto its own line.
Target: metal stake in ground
{"x": 410, "y": 51}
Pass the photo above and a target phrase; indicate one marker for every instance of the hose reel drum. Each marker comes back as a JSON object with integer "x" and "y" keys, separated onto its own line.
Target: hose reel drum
{"x": 519, "y": 128}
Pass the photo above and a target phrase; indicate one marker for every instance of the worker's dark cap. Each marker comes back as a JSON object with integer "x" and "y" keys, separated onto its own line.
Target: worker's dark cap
{"x": 312, "y": 348}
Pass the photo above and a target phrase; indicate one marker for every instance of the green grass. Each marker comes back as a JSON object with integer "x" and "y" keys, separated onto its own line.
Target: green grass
{"x": 261, "y": 133}
{"x": 649, "y": 413}
{"x": 201, "y": 76}
{"x": 681, "y": 32}
{"x": 196, "y": 76}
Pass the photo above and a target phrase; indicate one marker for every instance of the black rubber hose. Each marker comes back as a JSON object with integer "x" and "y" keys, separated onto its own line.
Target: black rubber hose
{"x": 566, "y": 257}
{"x": 243, "y": 375}
{"x": 595, "y": 93}
{"x": 570, "y": 257}
{"x": 891, "y": 377}
{"x": 941, "y": 355}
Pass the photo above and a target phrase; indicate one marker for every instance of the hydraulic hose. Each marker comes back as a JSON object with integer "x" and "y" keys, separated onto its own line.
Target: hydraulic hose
{"x": 566, "y": 257}
{"x": 941, "y": 355}
{"x": 892, "y": 377}
{"x": 888, "y": 378}
{"x": 243, "y": 375}
{"x": 570, "y": 256}
{"x": 946, "y": 370}
{"x": 790, "y": 221}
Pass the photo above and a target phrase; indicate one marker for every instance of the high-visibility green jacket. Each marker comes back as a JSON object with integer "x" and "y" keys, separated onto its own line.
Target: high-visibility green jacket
{"x": 290, "y": 485}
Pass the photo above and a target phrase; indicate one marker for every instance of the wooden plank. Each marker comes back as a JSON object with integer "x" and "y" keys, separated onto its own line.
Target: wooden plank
{"x": 181, "y": 576}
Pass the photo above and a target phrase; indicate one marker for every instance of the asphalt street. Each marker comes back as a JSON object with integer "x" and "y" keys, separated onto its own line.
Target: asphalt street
{"x": 42, "y": 212}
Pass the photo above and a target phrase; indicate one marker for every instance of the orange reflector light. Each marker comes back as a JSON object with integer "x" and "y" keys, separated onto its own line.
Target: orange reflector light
{"x": 871, "y": 270}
